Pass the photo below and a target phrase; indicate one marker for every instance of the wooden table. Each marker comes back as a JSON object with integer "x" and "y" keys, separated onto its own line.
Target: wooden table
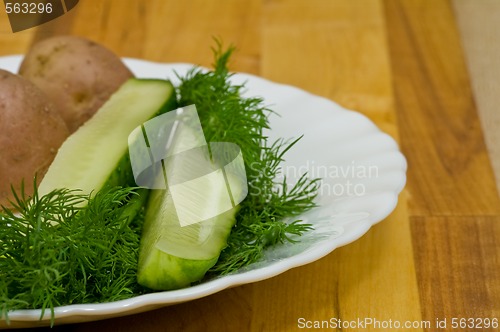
{"x": 400, "y": 63}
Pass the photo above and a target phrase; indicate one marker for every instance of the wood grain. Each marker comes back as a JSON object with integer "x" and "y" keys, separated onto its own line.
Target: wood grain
{"x": 458, "y": 266}
{"x": 443, "y": 141}
{"x": 454, "y": 206}
{"x": 335, "y": 49}
{"x": 479, "y": 28}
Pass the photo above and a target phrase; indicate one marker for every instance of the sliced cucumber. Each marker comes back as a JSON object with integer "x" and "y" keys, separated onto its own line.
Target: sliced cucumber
{"x": 183, "y": 233}
{"x": 97, "y": 153}
{"x": 172, "y": 256}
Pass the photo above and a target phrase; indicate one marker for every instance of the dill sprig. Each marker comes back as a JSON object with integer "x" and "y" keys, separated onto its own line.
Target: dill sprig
{"x": 266, "y": 215}
{"x": 65, "y": 248}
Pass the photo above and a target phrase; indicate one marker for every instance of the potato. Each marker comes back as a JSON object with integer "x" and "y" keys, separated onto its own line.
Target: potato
{"x": 78, "y": 75}
{"x": 31, "y": 132}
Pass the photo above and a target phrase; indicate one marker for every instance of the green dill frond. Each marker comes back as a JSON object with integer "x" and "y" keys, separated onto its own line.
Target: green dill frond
{"x": 225, "y": 116}
{"x": 64, "y": 248}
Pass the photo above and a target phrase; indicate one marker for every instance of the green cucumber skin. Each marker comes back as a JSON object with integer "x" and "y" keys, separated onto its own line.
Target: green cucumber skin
{"x": 162, "y": 271}
{"x": 166, "y": 268}
{"x": 123, "y": 174}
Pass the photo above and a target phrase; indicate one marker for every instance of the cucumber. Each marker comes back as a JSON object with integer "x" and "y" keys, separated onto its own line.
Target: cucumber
{"x": 96, "y": 155}
{"x": 172, "y": 256}
{"x": 186, "y": 227}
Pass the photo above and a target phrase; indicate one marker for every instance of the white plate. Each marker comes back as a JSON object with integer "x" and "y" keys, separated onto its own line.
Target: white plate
{"x": 362, "y": 169}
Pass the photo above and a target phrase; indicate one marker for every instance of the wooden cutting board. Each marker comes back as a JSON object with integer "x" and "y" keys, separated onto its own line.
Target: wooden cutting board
{"x": 399, "y": 62}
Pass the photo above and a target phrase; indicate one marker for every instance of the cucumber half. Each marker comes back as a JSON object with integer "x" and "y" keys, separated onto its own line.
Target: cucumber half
{"x": 172, "y": 256}
{"x": 187, "y": 224}
{"x": 97, "y": 153}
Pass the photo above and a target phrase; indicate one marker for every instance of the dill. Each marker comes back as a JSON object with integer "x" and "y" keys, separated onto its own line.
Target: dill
{"x": 66, "y": 248}
{"x": 55, "y": 252}
{"x": 266, "y": 215}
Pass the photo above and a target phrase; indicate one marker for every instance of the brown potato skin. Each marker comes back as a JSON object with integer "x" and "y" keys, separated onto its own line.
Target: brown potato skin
{"x": 78, "y": 75}
{"x": 31, "y": 132}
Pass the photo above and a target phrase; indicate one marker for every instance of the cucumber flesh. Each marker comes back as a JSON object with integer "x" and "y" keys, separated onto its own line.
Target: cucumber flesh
{"x": 172, "y": 256}
{"x": 175, "y": 253}
{"x": 97, "y": 153}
